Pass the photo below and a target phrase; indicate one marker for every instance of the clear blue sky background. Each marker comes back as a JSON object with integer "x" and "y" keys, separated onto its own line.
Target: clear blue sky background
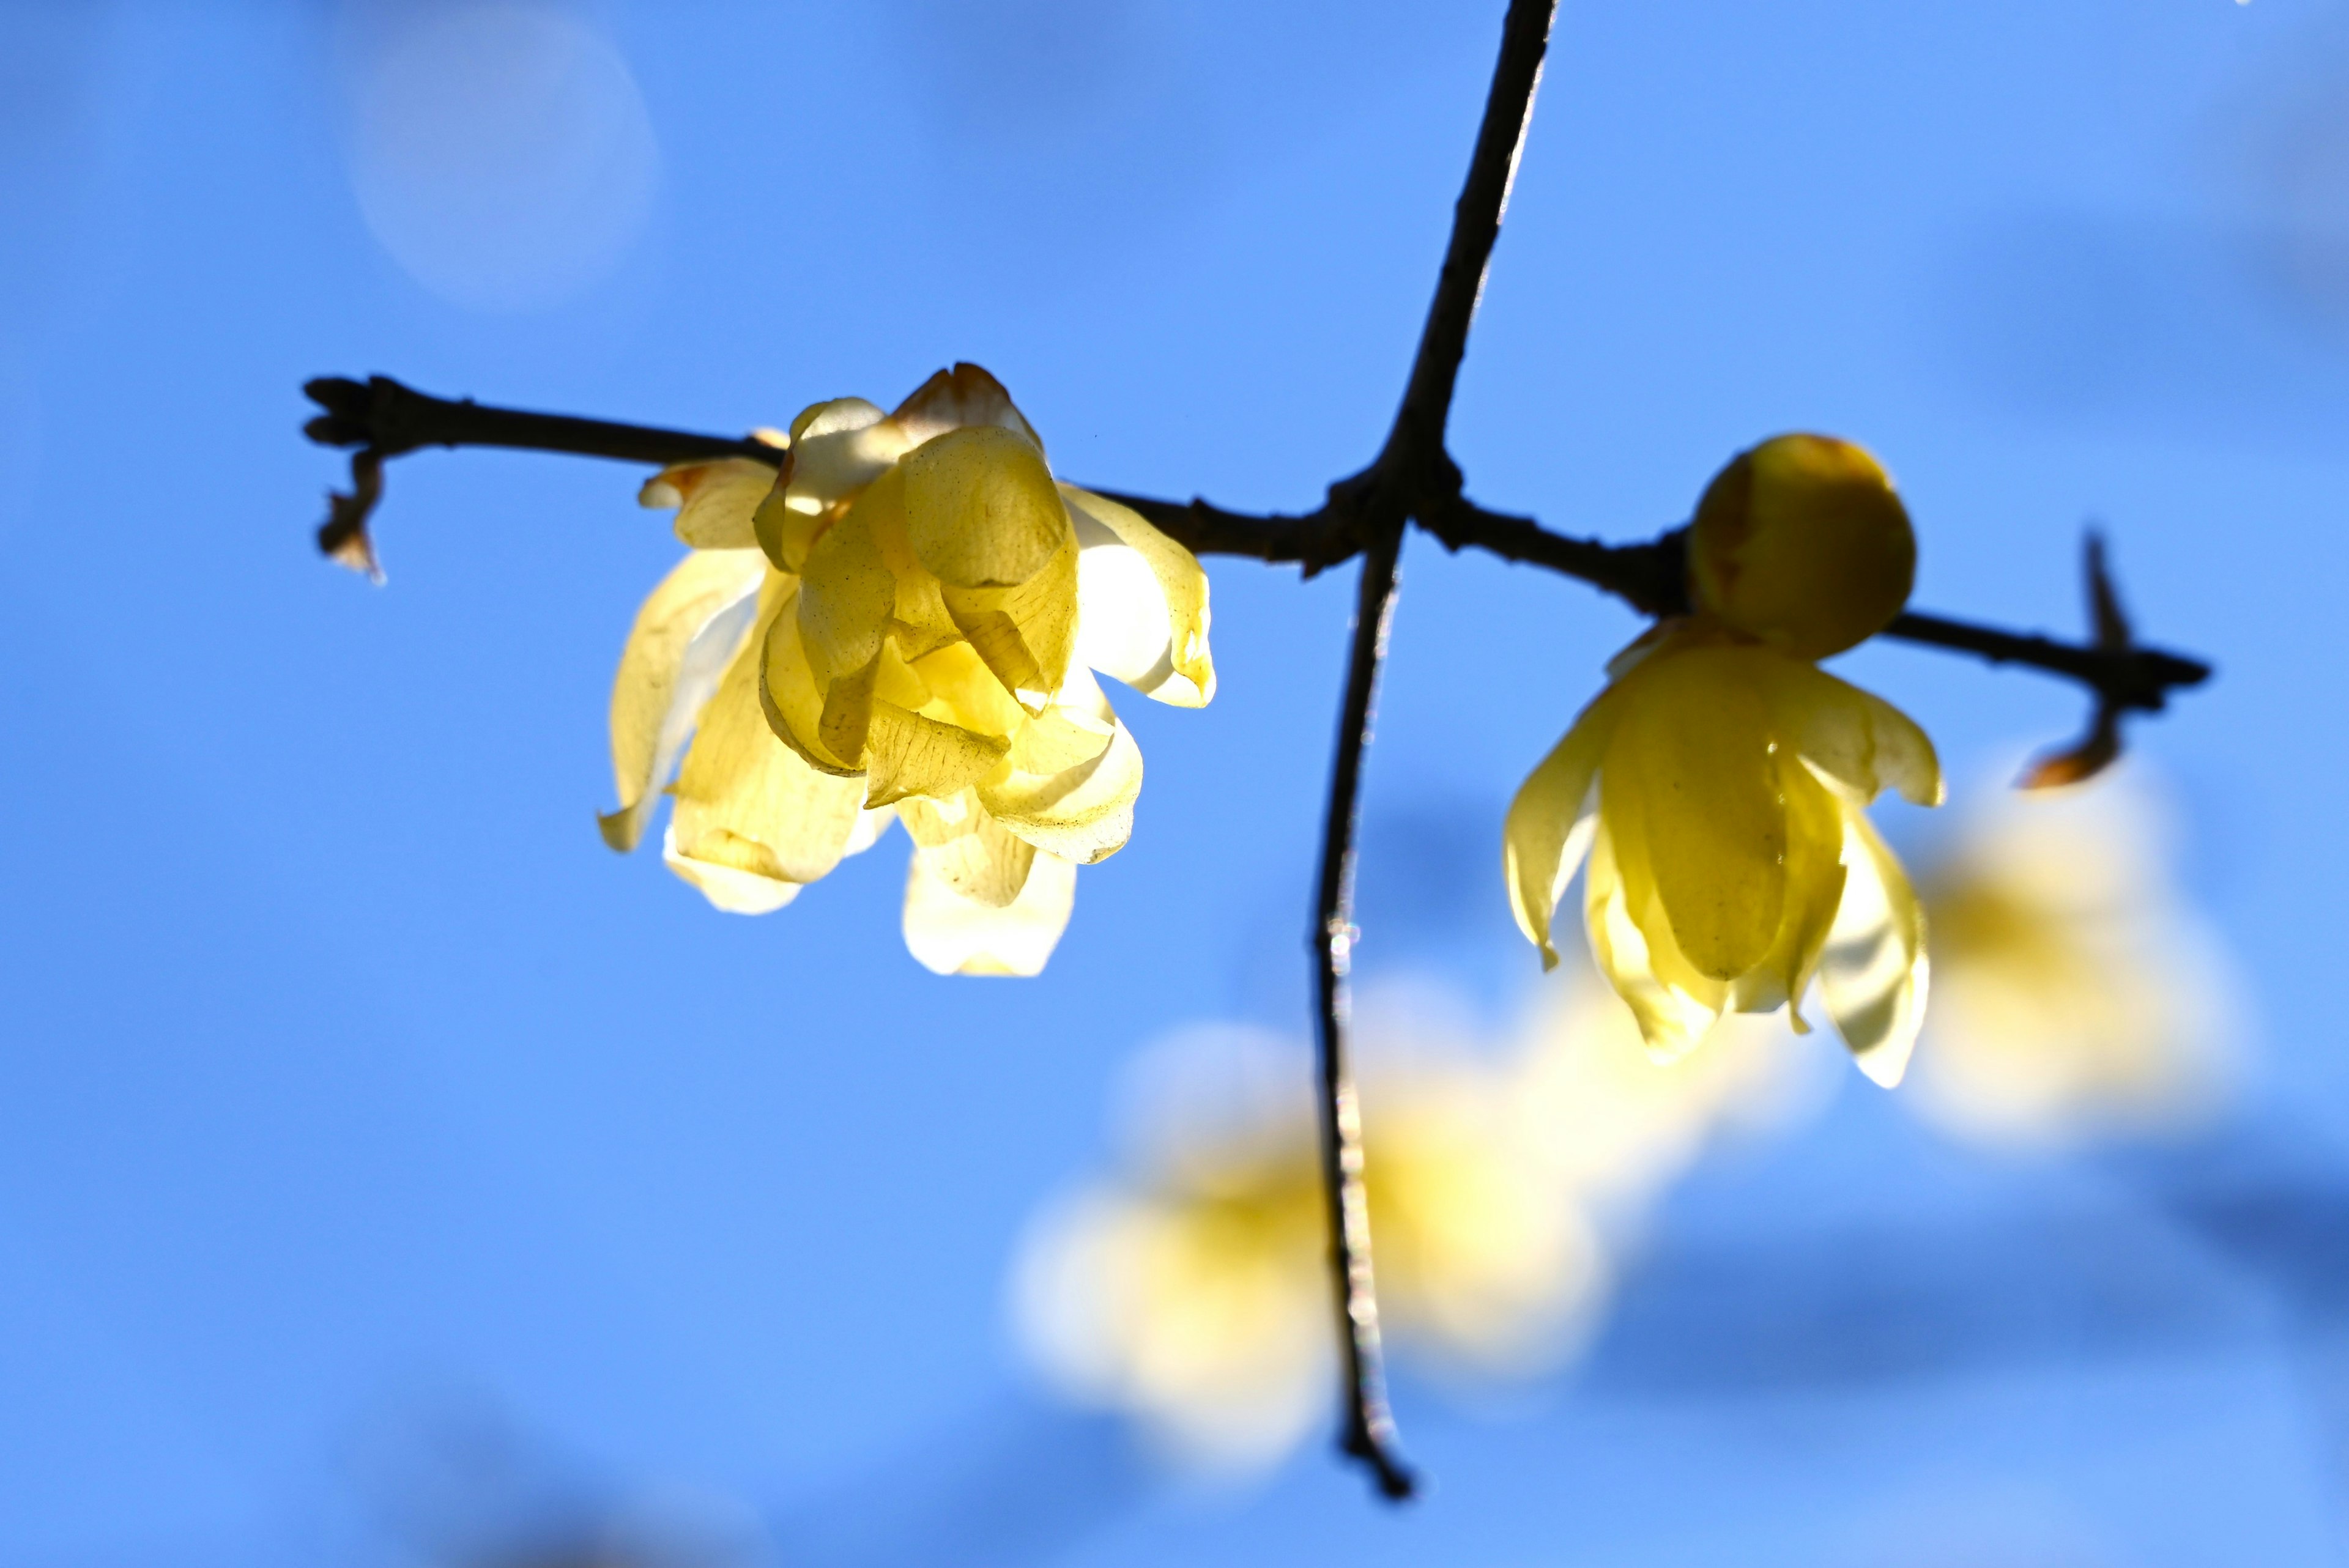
{"x": 347, "y": 1082}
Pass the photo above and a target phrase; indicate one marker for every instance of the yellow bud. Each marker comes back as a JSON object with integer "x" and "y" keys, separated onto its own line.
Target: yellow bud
{"x": 981, "y": 508}
{"x": 1802, "y": 543}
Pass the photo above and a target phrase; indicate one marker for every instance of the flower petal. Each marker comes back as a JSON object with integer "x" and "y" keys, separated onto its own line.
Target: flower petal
{"x": 1028, "y": 634}
{"x": 950, "y": 934}
{"x": 1690, "y": 780}
{"x": 952, "y": 399}
{"x": 685, "y": 635}
{"x": 1874, "y": 973}
{"x": 1143, "y": 604}
{"x": 981, "y": 508}
{"x": 749, "y": 805}
{"x": 836, "y": 450}
{"x": 727, "y": 887}
{"x": 793, "y": 704}
{"x": 1549, "y": 823}
{"x": 968, "y": 851}
{"x": 1082, "y": 813}
{"x": 715, "y": 501}
{"x": 1857, "y": 738}
{"x": 909, "y": 753}
{"x": 1814, "y": 883}
{"x": 1674, "y": 1004}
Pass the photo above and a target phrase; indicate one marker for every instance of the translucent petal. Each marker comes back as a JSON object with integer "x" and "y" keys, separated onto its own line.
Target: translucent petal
{"x": 1855, "y": 737}
{"x": 951, "y": 934}
{"x": 982, "y": 510}
{"x": 715, "y": 501}
{"x": 685, "y": 635}
{"x": 1143, "y": 599}
{"x": 727, "y": 887}
{"x": 847, "y": 597}
{"x": 952, "y": 400}
{"x": 1814, "y": 879}
{"x": 837, "y": 448}
{"x": 909, "y": 753}
{"x": 1027, "y": 635}
{"x": 1690, "y": 763}
{"x": 1548, "y": 827}
{"x": 982, "y": 863}
{"x": 788, "y": 693}
{"x": 965, "y": 692}
{"x": 1874, "y": 973}
{"x": 1672, "y": 1017}
{"x": 748, "y": 803}
{"x": 1083, "y": 813}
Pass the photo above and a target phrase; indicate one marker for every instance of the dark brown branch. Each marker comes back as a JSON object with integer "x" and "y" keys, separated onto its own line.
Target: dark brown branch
{"x": 1368, "y": 1425}
{"x": 392, "y": 419}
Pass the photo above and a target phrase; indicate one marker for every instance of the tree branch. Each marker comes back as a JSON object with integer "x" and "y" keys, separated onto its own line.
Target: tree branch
{"x": 1369, "y": 1433}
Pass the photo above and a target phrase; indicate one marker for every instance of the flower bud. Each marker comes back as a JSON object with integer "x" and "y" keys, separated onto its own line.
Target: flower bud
{"x": 1802, "y": 543}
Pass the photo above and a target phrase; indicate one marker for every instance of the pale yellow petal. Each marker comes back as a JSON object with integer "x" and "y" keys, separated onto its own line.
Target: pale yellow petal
{"x": 1857, "y": 738}
{"x": 1672, "y": 1017}
{"x": 1143, "y": 598}
{"x": 1874, "y": 973}
{"x": 727, "y": 887}
{"x": 1082, "y": 813}
{"x": 1027, "y": 635}
{"x": 982, "y": 863}
{"x": 715, "y": 501}
{"x": 951, "y": 934}
{"x": 837, "y": 448}
{"x": 749, "y": 805}
{"x": 981, "y": 508}
{"x": 909, "y": 753}
{"x": 1815, "y": 880}
{"x": 686, "y": 633}
{"x": 965, "y": 692}
{"x": 1690, "y": 763}
{"x": 952, "y": 400}
{"x": 1547, "y": 829}
{"x": 793, "y": 705}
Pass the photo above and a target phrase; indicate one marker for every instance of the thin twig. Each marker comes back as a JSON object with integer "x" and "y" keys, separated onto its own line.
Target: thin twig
{"x": 1369, "y": 1433}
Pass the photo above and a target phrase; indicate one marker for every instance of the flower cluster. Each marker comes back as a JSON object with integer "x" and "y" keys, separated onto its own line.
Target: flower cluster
{"x": 1716, "y": 785}
{"x": 902, "y": 619}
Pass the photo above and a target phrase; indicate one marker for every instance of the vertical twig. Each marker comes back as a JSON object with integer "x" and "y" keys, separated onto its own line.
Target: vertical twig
{"x": 1412, "y": 476}
{"x": 1369, "y": 1427}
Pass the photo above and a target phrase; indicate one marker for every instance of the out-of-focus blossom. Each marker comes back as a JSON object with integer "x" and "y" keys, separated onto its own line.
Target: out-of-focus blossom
{"x": 904, "y": 621}
{"x": 1193, "y": 1292}
{"x": 1617, "y": 1127}
{"x": 1717, "y": 783}
{"x": 2073, "y": 991}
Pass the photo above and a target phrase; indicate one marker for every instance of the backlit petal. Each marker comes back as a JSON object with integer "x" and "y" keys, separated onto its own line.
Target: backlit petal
{"x": 1549, "y": 823}
{"x": 686, "y": 633}
{"x": 1815, "y": 880}
{"x": 1689, "y": 770}
{"x": 909, "y": 753}
{"x": 715, "y": 501}
{"x": 952, "y": 400}
{"x": 1028, "y": 634}
{"x": 1083, "y": 813}
{"x": 1874, "y": 973}
{"x": 748, "y": 803}
{"x": 1855, "y": 737}
{"x": 981, "y": 508}
{"x": 951, "y": 934}
{"x": 727, "y": 887}
{"x": 788, "y": 694}
{"x": 1672, "y": 1017}
{"x": 1143, "y": 598}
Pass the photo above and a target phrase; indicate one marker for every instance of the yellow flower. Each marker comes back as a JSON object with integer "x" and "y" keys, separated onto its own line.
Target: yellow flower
{"x": 1717, "y": 783}
{"x": 2073, "y": 992}
{"x": 905, "y": 620}
{"x": 1195, "y": 1292}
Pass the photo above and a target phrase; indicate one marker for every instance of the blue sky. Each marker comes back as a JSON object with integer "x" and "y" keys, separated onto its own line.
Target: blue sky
{"x": 351, "y": 1087}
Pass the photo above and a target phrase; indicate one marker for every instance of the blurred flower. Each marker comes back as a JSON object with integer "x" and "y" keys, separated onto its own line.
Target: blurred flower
{"x": 906, "y": 617}
{"x": 1194, "y": 1291}
{"x": 2073, "y": 992}
{"x": 1716, "y": 784}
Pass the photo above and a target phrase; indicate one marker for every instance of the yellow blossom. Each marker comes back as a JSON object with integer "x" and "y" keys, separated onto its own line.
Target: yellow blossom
{"x": 2073, "y": 992}
{"x": 1193, "y": 1292}
{"x": 1717, "y": 784}
{"x": 903, "y": 622}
